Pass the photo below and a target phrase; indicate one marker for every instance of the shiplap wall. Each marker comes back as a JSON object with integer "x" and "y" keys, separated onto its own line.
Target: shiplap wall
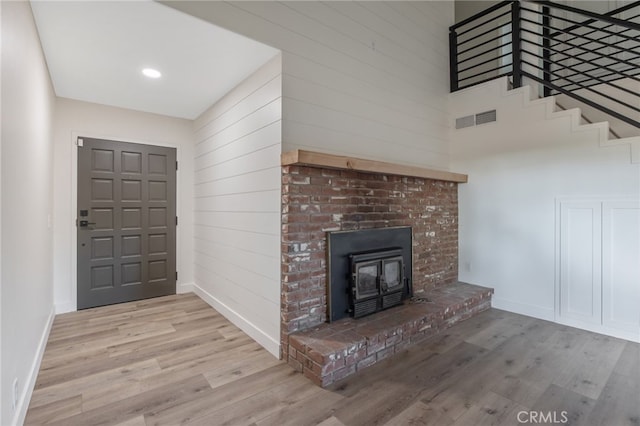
{"x": 368, "y": 79}
{"x": 237, "y": 205}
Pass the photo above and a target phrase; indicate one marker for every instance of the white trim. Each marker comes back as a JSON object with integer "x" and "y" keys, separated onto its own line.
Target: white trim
{"x": 1, "y": 383}
{"x": 72, "y": 305}
{"x": 245, "y": 325}
{"x": 601, "y": 329}
{"x": 540, "y": 312}
{"x": 74, "y": 228}
{"x": 30, "y": 383}
{"x": 556, "y": 256}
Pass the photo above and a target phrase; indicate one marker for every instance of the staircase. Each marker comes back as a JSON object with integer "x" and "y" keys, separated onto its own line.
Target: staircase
{"x": 525, "y": 121}
{"x": 619, "y": 128}
{"x": 587, "y": 60}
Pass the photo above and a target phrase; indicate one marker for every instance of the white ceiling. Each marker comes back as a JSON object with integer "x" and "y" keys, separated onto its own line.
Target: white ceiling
{"x": 96, "y": 50}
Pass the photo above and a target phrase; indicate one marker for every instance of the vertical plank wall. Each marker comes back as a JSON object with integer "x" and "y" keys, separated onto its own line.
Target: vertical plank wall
{"x": 368, "y": 79}
{"x": 237, "y": 205}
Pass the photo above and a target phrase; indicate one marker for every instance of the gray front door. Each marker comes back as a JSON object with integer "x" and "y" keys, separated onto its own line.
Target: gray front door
{"x": 126, "y": 222}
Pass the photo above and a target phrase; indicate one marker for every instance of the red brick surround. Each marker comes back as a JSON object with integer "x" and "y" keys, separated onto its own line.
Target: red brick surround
{"x": 316, "y": 200}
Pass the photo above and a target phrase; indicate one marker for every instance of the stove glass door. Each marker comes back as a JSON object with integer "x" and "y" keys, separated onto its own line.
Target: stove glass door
{"x": 392, "y": 274}
{"x": 367, "y": 279}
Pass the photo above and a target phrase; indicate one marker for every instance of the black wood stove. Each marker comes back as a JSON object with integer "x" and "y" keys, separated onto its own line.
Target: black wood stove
{"x": 368, "y": 270}
{"x": 377, "y": 281}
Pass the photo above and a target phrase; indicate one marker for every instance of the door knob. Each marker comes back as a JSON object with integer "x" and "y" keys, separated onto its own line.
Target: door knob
{"x": 85, "y": 223}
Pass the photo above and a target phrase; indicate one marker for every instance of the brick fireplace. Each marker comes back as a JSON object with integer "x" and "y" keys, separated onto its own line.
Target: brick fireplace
{"x": 320, "y": 198}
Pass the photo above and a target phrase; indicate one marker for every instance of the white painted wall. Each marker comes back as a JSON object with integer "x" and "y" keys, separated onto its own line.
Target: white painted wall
{"x": 27, "y": 295}
{"x": 75, "y": 118}
{"x": 237, "y": 205}
{"x": 519, "y": 168}
{"x": 368, "y": 79}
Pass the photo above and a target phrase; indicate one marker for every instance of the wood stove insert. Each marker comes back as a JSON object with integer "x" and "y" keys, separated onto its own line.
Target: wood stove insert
{"x": 377, "y": 281}
{"x": 369, "y": 270}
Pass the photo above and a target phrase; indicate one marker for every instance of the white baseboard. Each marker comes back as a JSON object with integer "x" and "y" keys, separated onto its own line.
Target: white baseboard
{"x": 549, "y": 315}
{"x": 601, "y": 329}
{"x": 271, "y": 345}
{"x": 184, "y": 288}
{"x": 30, "y": 383}
{"x": 534, "y": 311}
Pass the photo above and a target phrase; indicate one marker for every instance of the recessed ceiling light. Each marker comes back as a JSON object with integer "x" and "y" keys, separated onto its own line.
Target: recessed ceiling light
{"x": 151, "y": 73}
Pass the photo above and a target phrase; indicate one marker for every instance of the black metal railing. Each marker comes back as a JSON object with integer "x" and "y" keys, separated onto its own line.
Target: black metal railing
{"x": 593, "y": 58}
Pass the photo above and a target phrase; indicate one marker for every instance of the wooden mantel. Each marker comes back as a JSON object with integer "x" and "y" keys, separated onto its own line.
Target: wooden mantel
{"x": 310, "y": 158}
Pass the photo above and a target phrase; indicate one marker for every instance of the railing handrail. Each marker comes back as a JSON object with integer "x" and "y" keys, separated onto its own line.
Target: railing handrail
{"x": 596, "y": 16}
{"x": 592, "y": 20}
{"x": 566, "y": 30}
{"x": 589, "y": 40}
{"x": 571, "y": 66}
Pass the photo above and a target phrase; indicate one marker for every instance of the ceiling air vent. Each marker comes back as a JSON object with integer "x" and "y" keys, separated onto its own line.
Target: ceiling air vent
{"x": 486, "y": 117}
{"x": 477, "y": 119}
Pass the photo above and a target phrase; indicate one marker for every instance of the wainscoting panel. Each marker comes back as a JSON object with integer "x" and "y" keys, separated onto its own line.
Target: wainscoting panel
{"x": 621, "y": 265}
{"x": 599, "y": 265}
{"x": 580, "y": 264}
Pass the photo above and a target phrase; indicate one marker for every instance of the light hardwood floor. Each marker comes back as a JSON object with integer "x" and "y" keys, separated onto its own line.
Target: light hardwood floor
{"x": 174, "y": 360}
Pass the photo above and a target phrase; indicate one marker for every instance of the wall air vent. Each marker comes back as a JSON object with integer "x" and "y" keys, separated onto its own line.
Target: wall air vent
{"x": 467, "y": 121}
{"x": 477, "y": 119}
{"x": 486, "y": 117}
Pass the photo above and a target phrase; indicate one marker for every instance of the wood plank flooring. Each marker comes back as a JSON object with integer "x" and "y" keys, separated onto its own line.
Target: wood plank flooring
{"x": 174, "y": 360}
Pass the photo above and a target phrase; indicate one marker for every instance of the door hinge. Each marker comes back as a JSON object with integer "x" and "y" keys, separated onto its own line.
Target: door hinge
{"x": 176, "y": 275}
{"x": 176, "y": 165}
{"x": 176, "y": 220}
{"x": 79, "y": 142}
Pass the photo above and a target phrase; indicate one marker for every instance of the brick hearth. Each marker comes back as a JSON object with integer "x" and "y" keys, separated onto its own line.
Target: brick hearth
{"x": 330, "y": 352}
{"x": 318, "y": 199}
